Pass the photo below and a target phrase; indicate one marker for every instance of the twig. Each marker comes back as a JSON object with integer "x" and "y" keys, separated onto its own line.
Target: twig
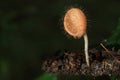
{"x": 109, "y": 53}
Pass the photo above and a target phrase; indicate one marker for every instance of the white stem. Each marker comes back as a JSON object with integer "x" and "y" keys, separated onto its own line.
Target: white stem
{"x": 86, "y": 48}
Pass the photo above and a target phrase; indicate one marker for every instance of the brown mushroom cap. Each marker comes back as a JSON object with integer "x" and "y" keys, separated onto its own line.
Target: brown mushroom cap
{"x": 75, "y": 22}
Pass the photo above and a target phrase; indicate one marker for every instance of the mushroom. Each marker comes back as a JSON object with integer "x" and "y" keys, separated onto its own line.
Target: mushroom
{"x": 75, "y": 24}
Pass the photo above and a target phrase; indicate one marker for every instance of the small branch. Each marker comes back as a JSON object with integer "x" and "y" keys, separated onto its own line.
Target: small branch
{"x": 109, "y": 53}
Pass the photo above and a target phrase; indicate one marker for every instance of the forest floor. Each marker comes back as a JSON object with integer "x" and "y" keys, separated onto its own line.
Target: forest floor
{"x": 103, "y": 61}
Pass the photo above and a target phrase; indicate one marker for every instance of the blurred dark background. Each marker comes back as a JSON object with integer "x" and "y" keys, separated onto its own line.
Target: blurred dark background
{"x": 31, "y": 30}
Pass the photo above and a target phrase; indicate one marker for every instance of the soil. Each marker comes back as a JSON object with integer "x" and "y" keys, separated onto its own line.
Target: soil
{"x": 103, "y": 61}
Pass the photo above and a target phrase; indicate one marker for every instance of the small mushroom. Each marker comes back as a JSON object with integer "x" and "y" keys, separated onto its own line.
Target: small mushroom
{"x": 75, "y": 24}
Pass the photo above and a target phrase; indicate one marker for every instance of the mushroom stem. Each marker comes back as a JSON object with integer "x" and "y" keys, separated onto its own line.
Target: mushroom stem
{"x": 86, "y": 48}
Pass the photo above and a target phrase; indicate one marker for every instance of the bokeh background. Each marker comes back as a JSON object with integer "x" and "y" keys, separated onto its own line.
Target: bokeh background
{"x": 30, "y": 30}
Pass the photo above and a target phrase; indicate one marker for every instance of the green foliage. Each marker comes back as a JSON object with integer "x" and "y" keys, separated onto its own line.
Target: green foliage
{"x": 115, "y": 37}
{"x": 68, "y": 77}
{"x": 115, "y": 77}
{"x": 50, "y": 76}
{"x": 47, "y": 76}
{"x": 4, "y": 69}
